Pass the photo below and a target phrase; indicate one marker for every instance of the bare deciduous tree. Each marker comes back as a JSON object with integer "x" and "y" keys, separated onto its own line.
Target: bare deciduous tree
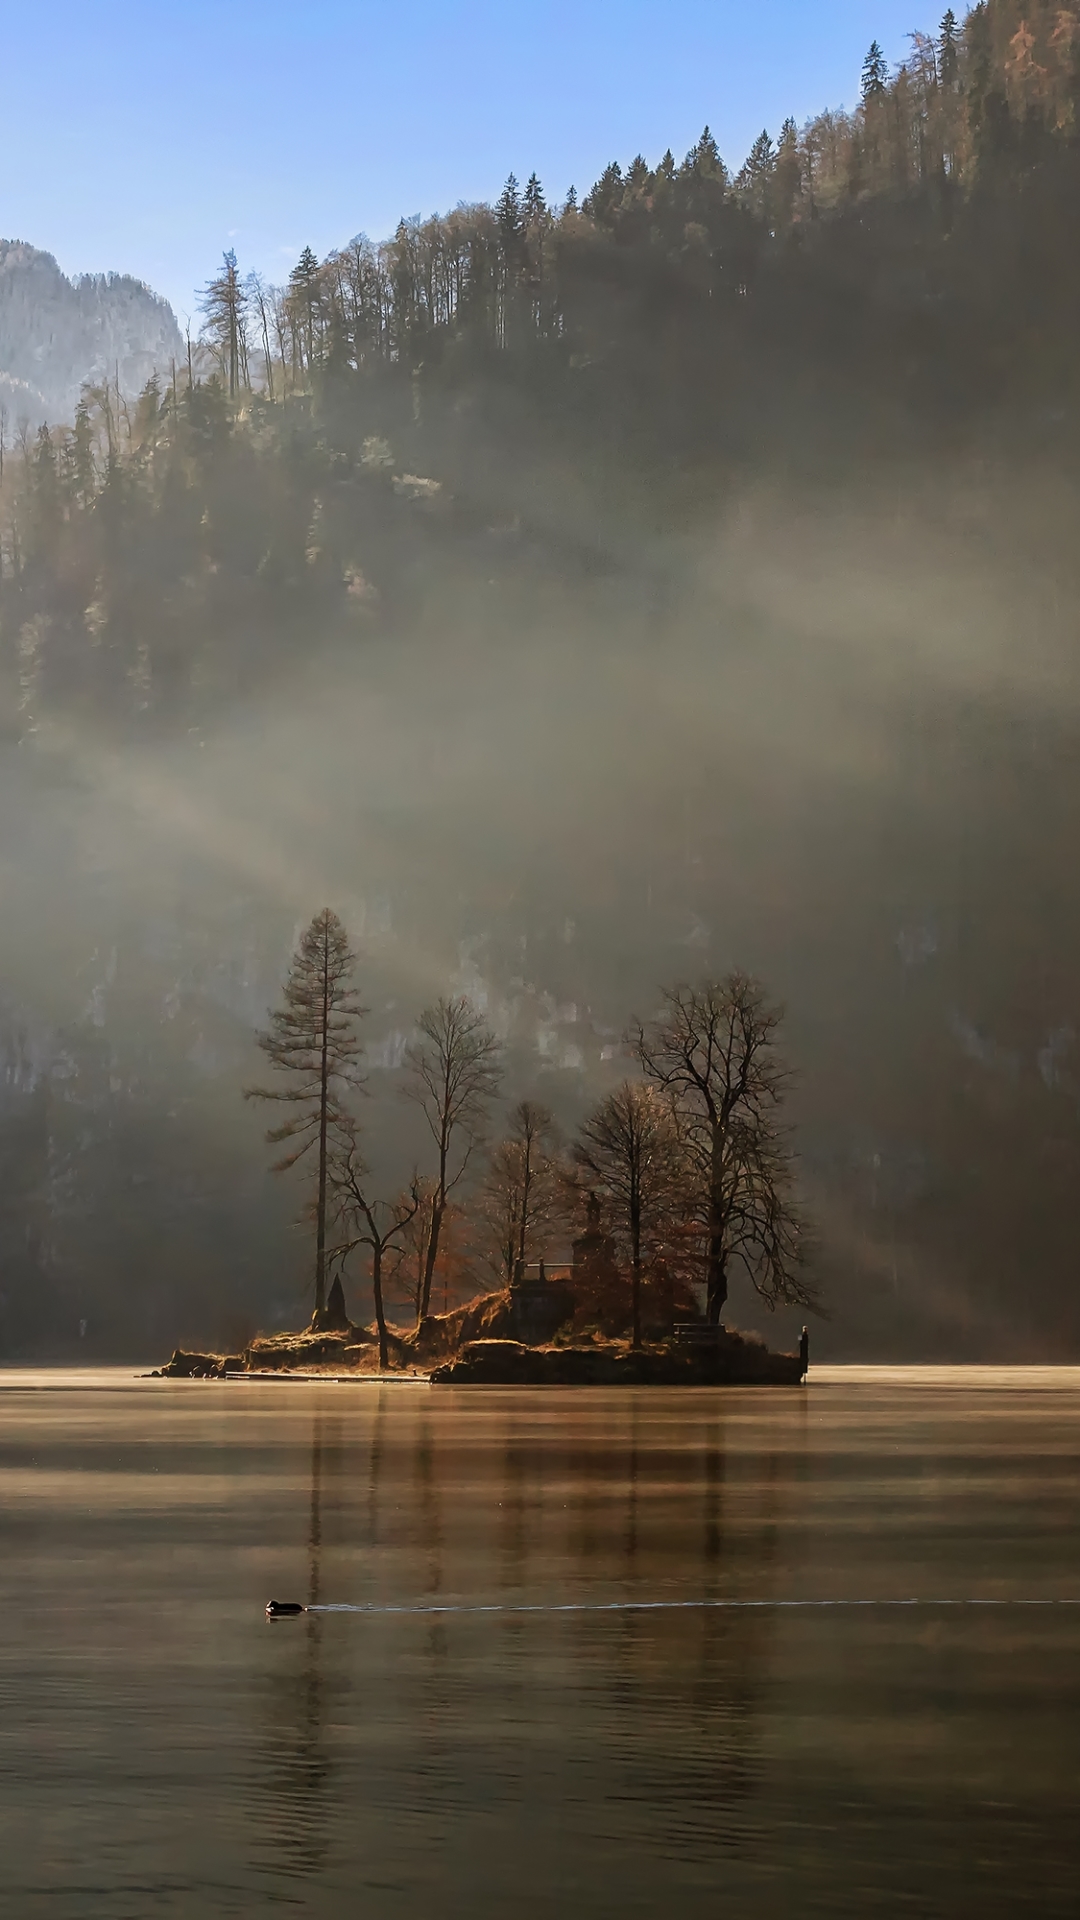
{"x": 713, "y": 1052}
{"x": 261, "y": 299}
{"x": 453, "y": 1074}
{"x": 313, "y": 1042}
{"x": 379, "y": 1225}
{"x": 522, "y": 1193}
{"x": 405, "y": 1270}
{"x": 630, "y": 1150}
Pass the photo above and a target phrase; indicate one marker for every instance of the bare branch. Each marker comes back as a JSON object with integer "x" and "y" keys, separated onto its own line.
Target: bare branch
{"x": 453, "y": 1075}
{"x": 713, "y": 1054}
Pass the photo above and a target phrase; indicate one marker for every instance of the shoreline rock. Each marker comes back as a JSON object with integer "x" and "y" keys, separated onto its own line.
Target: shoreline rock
{"x": 730, "y": 1361}
{"x": 481, "y": 1354}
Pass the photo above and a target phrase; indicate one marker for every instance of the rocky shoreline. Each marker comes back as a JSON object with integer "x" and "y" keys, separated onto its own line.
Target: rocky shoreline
{"x": 726, "y": 1363}
{"x": 724, "y": 1358}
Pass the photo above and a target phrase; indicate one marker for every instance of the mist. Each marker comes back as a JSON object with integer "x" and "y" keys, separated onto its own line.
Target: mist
{"x": 579, "y": 600}
{"x": 825, "y": 737}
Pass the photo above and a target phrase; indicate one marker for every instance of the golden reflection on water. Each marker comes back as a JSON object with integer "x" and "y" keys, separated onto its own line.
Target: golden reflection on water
{"x": 165, "y": 1751}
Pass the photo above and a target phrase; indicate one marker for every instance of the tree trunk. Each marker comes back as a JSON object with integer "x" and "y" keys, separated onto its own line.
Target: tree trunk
{"x": 324, "y": 1087}
{"x": 716, "y": 1281}
{"x": 524, "y": 1223}
{"x": 438, "y": 1208}
{"x": 635, "y": 1268}
{"x": 380, "y": 1314}
{"x": 716, "y": 1263}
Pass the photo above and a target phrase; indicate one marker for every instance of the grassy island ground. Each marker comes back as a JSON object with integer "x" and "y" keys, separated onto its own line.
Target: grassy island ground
{"x": 475, "y": 1345}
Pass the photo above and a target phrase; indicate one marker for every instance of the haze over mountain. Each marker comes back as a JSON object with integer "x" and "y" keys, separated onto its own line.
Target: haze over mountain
{"x": 59, "y": 335}
{"x": 580, "y": 598}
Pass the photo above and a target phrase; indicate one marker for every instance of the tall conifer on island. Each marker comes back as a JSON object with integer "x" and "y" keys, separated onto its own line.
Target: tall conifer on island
{"x": 313, "y": 1042}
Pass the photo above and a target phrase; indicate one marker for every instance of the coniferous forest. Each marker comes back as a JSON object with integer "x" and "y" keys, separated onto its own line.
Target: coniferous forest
{"x": 583, "y": 591}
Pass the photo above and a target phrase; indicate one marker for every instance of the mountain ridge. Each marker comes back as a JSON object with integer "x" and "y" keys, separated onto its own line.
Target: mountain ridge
{"x": 58, "y": 334}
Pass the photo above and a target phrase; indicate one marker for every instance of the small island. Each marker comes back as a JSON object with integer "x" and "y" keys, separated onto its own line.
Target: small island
{"x": 678, "y": 1177}
{"x": 522, "y": 1336}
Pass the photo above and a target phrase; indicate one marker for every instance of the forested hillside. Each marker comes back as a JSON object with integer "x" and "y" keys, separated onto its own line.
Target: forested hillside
{"x": 899, "y": 279}
{"x": 583, "y": 595}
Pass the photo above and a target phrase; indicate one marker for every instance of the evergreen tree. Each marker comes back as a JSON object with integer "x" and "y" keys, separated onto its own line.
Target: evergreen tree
{"x": 987, "y": 99}
{"x": 511, "y": 228}
{"x": 223, "y": 303}
{"x": 148, "y": 416}
{"x": 312, "y": 1041}
{"x": 46, "y": 507}
{"x": 303, "y": 302}
{"x": 704, "y": 158}
{"x": 83, "y": 470}
{"x": 875, "y": 74}
{"x": 534, "y": 206}
{"x": 788, "y": 173}
{"x": 605, "y": 198}
{"x": 754, "y": 183}
{"x": 508, "y": 217}
{"x": 948, "y": 51}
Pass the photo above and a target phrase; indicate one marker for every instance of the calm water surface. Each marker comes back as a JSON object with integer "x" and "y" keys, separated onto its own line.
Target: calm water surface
{"x": 165, "y": 1751}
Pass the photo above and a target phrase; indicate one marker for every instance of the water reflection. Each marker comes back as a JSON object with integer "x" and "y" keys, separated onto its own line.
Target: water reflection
{"x": 297, "y": 1767}
{"x": 162, "y": 1750}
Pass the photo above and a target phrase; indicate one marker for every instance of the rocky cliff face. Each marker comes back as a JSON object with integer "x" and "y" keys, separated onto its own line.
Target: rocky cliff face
{"x": 56, "y": 334}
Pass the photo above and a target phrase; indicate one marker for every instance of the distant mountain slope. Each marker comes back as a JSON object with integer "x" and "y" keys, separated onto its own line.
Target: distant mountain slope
{"x": 57, "y": 333}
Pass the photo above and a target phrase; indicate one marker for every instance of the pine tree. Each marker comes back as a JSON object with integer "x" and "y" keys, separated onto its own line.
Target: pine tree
{"x": 605, "y": 198}
{"x": 754, "y": 183}
{"x": 948, "y": 51}
{"x": 511, "y": 227}
{"x": 223, "y": 303}
{"x": 508, "y": 217}
{"x": 46, "y": 506}
{"x": 149, "y": 413}
{"x": 705, "y": 159}
{"x": 789, "y": 173}
{"x": 303, "y": 297}
{"x": 313, "y": 1043}
{"x": 83, "y": 472}
{"x": 875, "y": 73}
{"x": 534, "y": 206}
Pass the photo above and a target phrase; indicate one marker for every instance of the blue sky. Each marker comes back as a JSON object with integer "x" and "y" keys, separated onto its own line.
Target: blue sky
{"x": 147, "y": 140}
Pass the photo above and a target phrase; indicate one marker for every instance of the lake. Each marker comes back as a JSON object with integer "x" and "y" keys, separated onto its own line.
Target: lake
{"x": 165, "y": 1750}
